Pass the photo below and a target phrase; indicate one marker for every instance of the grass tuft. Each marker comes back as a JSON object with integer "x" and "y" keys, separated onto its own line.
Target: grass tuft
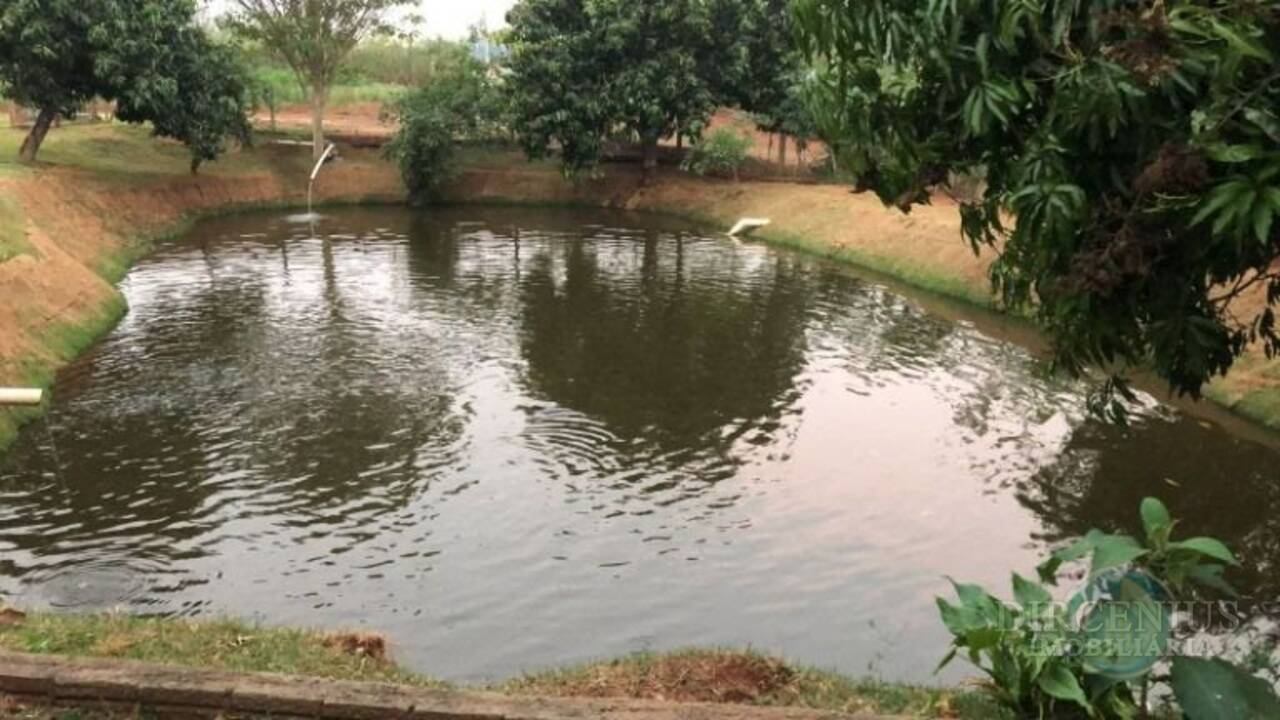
{"x": 220, "y": 645}
{"x": 744, "y": 677}
{"x": 13, "y": 230}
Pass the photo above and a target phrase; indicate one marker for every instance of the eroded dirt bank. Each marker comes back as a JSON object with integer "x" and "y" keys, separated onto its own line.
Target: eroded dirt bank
{"x": 83, "y": 227}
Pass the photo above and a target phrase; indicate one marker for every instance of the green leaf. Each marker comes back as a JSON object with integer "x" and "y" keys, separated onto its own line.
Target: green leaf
{"x": 1217, "y": 199}
{"x": 1224, "y": 153}
{"x": 1263, "y": 215}
{"x": 1113, "y": 551}
{"x": 959, "y": 620}
{"x": 1029, "y": 594}
{"x": 1058, "y": 681}
{"x": 1048, "y": 570}
{"x": 1155, "y": 517}
{"x": 1218, "y": 690}
{"x": 1265, "y": 121}
{"x": 1208, "y": 547}
{"x": 1210, "y": 576}
{"x": 972, "y": 596}
{"x": 946, "y": 660}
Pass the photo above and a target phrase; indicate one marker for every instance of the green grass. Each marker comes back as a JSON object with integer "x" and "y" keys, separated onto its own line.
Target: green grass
{"x": 1262, "y": 405}
{"x": 693, "y": 675}
{"x": 287, "y": 91}
{"x": 126, "y": 154}
{"x": 66, "y": 341}
{"x": 710, "y": 675}
{"x": 217, "y": 645}
{"x": 13, "y": 231}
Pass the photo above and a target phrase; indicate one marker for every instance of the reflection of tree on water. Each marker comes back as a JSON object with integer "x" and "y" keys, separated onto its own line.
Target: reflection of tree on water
{"x": 679, "y": 353}
{"x": 1219, "y": 490}
{"x": 126, "y": 395}
{"x": 362, "y": 410}
{"x": 234, "y": 392}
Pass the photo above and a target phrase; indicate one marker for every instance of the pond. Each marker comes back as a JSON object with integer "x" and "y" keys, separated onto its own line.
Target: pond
{"x": 515, "y": 438}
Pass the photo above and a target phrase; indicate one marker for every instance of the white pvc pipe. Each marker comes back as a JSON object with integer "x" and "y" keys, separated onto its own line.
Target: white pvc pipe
{"x": 21, "y": 396}
{"x": 316, "y": 173}
{"x": 320, "y": 163}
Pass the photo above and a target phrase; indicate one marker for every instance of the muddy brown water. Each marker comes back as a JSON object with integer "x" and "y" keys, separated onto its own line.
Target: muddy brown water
{"x": 513, "y": 439}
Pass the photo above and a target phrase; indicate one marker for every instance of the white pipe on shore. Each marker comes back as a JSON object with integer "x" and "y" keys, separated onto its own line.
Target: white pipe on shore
{"x": 746, "y": 225}
{"x": 21, "y": 396}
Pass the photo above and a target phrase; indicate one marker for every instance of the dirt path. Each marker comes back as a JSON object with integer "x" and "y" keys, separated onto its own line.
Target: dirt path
{"x": 359, "y": 120}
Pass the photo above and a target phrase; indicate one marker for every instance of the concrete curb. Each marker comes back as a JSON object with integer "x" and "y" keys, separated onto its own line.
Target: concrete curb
{"x": 186, "y": 692}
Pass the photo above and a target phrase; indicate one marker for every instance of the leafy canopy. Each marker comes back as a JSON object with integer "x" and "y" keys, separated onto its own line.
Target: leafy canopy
{"x": 148, "y": 55}
{"x": 312, "y": 36}
{"x": 768, "y": 77}
{"x": 457, "y": 101}
{"x": 1131, "y": 150}
{"x": 202, "y": 100}
{"x": 583, "y": 68}
{"x": 1046, "y": 659}
{"x": 47, "y": 53}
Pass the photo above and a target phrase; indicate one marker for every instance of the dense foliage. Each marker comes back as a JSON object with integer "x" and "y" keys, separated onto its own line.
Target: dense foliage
{"x": 148, "y": 55}
{"x": 456, "y": 102}
{"x": 312, "y": 37}
{"x": 768, "y": 80}
{"x": 202, "y": 102}
{"x": 1046, "y": 659}
{"x": 583, "y": 68}
{"x": 720, "y": 151}
{"x": 1131, "y": 151}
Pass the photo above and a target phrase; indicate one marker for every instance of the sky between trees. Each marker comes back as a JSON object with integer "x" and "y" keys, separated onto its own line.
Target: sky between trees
{"x": 445, "y": 18}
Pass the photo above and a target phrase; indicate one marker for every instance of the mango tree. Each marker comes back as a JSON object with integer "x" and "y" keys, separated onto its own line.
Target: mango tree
{"x": 202, "y": 101}
{"x": 147, "y": 55}
{"x": 583, "y": 69}
{"x": 47, "y": 60}
{"x": 1131, "y": 154}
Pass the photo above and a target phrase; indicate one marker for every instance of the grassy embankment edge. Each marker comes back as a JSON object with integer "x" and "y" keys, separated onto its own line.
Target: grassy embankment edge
{"x": 1253, "y": 392}
{"x": 74, "y": 147}
{"x": 693, "y": 675}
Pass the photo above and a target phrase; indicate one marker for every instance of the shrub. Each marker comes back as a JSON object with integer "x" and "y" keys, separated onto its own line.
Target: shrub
{"x": 721, "y": 151}
{"x": 456, "y": 103}
{"x": 1049, "y": 660}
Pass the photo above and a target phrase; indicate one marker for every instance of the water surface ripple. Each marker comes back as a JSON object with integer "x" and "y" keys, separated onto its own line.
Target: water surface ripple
{"x": 514, "y": 438}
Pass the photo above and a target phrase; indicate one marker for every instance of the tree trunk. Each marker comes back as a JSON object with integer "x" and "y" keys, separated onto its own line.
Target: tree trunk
{"x": 318, "y": 98}
{"x": 31, "y": 146}
{"x": 650, "y": 159}
{"x": 782, "y": 149}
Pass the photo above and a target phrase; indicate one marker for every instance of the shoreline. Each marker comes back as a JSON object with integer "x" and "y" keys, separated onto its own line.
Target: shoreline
{"x": 89, "y": 215}
{"x": 107, "y": 193}
{"x": 235, "y": 652}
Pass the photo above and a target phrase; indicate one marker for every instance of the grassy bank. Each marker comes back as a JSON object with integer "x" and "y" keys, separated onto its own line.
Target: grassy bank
{"x": 717, "y": 676}
{"x": 101, "y": 196}
{"x": 923, "y": 249}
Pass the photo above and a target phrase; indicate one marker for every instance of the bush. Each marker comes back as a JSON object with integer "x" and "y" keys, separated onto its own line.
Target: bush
{"x": 722, "y": 151}
{"x": 1049, "y": 660}
{"x": 456, "y": 103}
